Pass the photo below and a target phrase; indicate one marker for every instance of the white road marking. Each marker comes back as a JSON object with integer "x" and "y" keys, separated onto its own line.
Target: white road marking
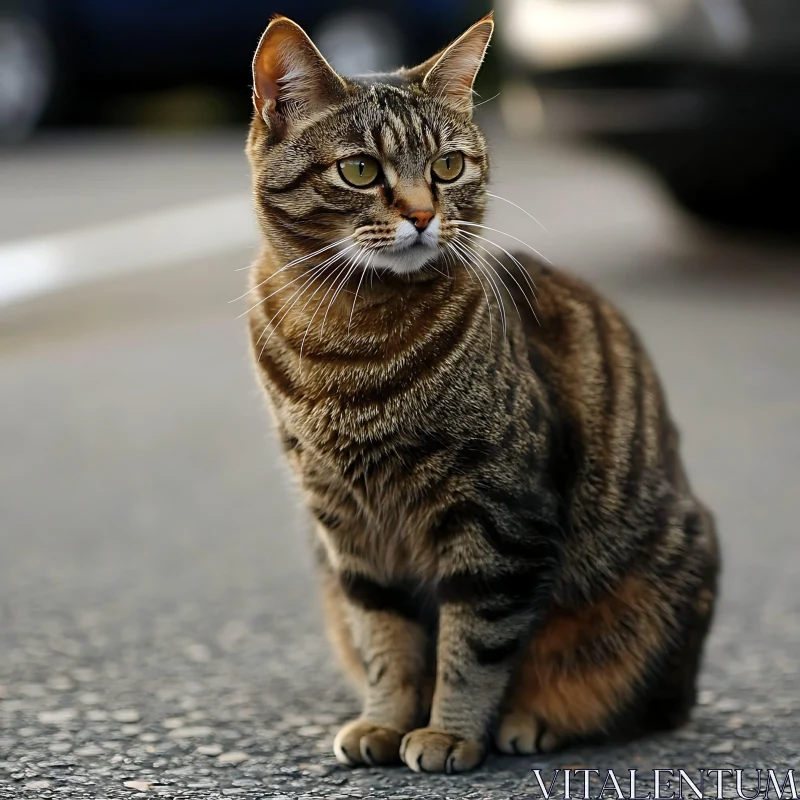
{"x": 43, "y": 264}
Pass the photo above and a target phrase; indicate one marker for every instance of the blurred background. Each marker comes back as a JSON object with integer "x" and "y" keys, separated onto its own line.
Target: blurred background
{"x": 157, "y": 611}
{"x": 703, "y": 91}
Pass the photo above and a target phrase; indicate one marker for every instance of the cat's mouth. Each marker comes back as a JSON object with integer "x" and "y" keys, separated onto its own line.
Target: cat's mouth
{"x": 411, "y": 249}
{"x": 406, "y": 259}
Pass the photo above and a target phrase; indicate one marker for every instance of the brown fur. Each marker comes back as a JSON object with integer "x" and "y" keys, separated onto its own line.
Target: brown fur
{"x": 569, "y": 694}
{"x": 506, "y": 536}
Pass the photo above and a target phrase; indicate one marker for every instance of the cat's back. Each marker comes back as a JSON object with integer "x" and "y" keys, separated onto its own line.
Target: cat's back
{"x": 603, "y": 385}
{"x": 615, "y": 453}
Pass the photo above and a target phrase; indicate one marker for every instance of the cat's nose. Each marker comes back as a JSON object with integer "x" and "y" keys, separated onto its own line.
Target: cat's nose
{"x": 421, "y": 217}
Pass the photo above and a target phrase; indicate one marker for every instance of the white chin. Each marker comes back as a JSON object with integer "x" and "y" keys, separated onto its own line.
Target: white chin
{"x": 403, "y": 262}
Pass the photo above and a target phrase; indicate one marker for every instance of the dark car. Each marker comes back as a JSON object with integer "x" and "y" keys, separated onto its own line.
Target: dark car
{"x": 707, "y": 92}
{"x": 57, "y": 55}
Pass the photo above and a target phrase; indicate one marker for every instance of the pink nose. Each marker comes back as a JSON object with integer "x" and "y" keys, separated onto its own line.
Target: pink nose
{"x": 421, "y": 217}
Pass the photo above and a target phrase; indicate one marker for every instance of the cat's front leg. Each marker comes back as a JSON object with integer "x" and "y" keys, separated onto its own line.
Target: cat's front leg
{"x": 478, "y": 643}
{"x": 392, "y": 646}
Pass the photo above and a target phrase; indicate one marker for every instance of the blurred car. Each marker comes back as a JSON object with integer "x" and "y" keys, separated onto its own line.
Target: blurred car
{"x": 57, "y": 54}
{"x": 707, "y": 92}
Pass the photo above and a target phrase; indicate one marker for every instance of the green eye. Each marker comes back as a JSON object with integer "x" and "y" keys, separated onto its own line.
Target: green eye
{"x": 448, "y": 167}
{"x": 361, "y": 171}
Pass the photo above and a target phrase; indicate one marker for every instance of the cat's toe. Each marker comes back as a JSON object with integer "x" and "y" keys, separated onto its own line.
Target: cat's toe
{"x": 364, "y": 742}
{"x": 429, "y": 750}
{"x": 523, "y": 734}
{"x": 549, "y": 742}
{"x": 517, "y": 734}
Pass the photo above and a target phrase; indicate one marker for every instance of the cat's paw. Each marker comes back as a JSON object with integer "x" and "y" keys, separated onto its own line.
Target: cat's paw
{"x": 522, "y": 734}
{"x": 429, "y": 750}
{"x": 365, "y": 742}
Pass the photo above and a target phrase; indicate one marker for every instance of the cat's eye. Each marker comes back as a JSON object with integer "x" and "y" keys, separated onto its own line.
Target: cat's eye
{"x": 360, "y": 171}
{"x": 448, "y": 167}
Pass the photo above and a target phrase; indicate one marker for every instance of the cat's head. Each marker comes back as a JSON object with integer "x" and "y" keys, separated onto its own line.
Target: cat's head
{"x": 385, "y": 165}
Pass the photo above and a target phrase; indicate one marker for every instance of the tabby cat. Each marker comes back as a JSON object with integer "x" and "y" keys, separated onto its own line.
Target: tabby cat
{"x": 507, "y": 542}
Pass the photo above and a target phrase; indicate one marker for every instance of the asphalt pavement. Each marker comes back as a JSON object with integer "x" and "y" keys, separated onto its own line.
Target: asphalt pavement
{"x": 159, "y": 630}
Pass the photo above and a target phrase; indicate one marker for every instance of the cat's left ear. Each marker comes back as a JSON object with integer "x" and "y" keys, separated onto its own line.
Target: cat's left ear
{"x": 291, "y": 78}
{"x": 451, "y": 73}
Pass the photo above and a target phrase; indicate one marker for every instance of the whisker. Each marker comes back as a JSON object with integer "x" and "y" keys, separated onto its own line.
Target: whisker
{"x": 314, "y": 293}
{"x": 448, "y": 258}
{"x": 431, "y": 266}
{"x": 512, "y": 203}
{"x": 314, "y": 273}
{"x": 342, "y": 285}
{"x": 332, "y": 278}
{"x": 254, "y": 263}
{"x": 483, "y": 102}
{"x": 343, "y": 269}
{"x": 492, "y": 284}
{"x": 493, "y": 271}
{"x": 474, "y": 274}
{"x": 511, "y": 275}
{"x": 291, "y": 264}
{"x": 510, "y": 255}
{"x": 325, "y": 263}
{"x": 286, "y": 266}
{"x": 298, "y": 295}
{"x": 445, "y": 255}
{"x": 355, "y": 299}
{"x": 502, "y": 233}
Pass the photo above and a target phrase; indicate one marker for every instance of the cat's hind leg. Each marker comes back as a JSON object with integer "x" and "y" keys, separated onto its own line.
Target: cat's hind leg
{"x": 672, "y": 696}
{"x": 583, "y": 669}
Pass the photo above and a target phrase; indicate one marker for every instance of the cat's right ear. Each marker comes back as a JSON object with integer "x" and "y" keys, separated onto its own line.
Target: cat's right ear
{"x": 451, "y": 73}
{"x": 291, "y": 79}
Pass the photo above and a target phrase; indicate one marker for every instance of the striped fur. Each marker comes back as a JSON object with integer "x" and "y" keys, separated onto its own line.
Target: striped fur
{"x": 506, "y": 538}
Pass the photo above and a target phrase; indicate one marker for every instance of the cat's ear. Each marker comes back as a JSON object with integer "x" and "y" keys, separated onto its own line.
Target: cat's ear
{"x": 291, "y": 78}
{"x": 451, "y": 73}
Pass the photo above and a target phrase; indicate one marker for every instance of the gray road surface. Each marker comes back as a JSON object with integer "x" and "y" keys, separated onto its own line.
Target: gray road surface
{"x": 158, "y": 621}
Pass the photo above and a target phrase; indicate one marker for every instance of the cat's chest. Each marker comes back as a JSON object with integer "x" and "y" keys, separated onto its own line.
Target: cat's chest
{"x": 377, "y": 507}
{"x": 382, "y": 453}
{"x": 391, "y": 543}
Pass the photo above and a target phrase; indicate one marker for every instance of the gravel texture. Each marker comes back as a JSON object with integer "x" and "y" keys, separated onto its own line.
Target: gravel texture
{"x": 158, "y": 625}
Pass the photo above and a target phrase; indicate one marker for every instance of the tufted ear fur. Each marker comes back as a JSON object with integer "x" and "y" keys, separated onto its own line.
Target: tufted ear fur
{"x": 291, "y": 78}
{"x": 451, "y": 73}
